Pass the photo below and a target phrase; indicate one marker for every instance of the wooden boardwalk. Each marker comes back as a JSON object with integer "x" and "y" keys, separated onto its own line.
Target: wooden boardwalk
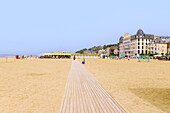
{"x": 84, "y": 94}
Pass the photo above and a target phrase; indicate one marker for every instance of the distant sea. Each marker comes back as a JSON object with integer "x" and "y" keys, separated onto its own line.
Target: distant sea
{"x": 4, "y": 55}
{"x": 10, "y": 55}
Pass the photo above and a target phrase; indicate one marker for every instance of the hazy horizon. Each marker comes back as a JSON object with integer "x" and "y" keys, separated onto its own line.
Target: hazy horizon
{"x": 34, "y": 27}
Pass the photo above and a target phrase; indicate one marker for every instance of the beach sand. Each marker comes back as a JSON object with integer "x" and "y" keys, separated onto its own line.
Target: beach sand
{"x": 139, "y": 87}
{"x": 32, "y": 85}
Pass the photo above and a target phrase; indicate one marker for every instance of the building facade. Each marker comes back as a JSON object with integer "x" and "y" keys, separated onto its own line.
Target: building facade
{"x": 164, "y": 38}
{"x": 168, "y": 47}
{"x": 87, "y": 52}
{"x": 157, "y": 46}
{"x": 142, "y": 43}
{"x": 135, "y": 44}
{"x": 102, "y": 51}
{"x": 108, "y": 51}
{"x": 113, "y": 50}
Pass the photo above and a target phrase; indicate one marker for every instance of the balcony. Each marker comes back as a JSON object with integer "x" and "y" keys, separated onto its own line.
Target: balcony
{"x": 150, "y": 50}
{"x": 151, "y": 46}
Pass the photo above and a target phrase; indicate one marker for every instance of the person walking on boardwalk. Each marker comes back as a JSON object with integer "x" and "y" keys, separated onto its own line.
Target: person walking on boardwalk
{"x": 74, "y": 58}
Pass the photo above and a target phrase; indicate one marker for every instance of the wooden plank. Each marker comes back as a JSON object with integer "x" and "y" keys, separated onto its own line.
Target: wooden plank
{"x": 83, "y": 94}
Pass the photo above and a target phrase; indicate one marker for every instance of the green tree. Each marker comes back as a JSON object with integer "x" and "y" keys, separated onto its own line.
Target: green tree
{"x": 81, "y": 51}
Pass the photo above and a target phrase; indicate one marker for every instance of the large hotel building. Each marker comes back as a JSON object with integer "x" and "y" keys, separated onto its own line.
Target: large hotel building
{"x": 141, "y": 43}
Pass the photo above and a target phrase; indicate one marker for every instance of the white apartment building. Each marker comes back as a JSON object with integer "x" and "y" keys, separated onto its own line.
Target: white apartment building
{"x": 135, "y": 44}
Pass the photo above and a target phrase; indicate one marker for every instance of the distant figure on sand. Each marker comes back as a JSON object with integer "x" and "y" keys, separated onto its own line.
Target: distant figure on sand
{"x": 74, "y": 58}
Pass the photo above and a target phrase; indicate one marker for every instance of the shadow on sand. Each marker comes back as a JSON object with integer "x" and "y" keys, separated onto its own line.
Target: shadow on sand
{"x": 159, "y": 97}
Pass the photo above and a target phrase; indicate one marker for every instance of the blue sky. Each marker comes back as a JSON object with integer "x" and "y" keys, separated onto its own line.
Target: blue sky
{"x": 38, "y": 26}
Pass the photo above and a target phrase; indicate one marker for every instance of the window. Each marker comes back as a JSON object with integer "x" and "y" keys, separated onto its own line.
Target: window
{"x": 142, "y": 51}
{"x": 142, "y": 39}
{"x": 138, "y": 47}
{"x": 146, "y": 52}
{"x": 142, "y": 47}
{"x": 138, "y": 43}
{"x": 142, "y": 43}
{"x": 138, "y": 51}
{"x": 138, "y": 39}
{"x": 146, "y": 40}
{"x": 155, "y": 48}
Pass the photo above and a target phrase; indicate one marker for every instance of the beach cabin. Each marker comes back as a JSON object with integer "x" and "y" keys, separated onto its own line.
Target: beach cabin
{"x": 56, "y": 55}
{"x": 80, "y": 56}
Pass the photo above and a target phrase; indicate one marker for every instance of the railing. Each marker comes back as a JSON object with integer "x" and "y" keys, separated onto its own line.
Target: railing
{"x": 150, "y": 50}
{"x": 151, "y": 46}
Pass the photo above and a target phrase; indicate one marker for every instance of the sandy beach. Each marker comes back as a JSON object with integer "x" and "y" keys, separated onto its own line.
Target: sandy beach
{"x": 139, "y": 87}
{"x": 32, "y": 85}
{"x": 38, "y": 85}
